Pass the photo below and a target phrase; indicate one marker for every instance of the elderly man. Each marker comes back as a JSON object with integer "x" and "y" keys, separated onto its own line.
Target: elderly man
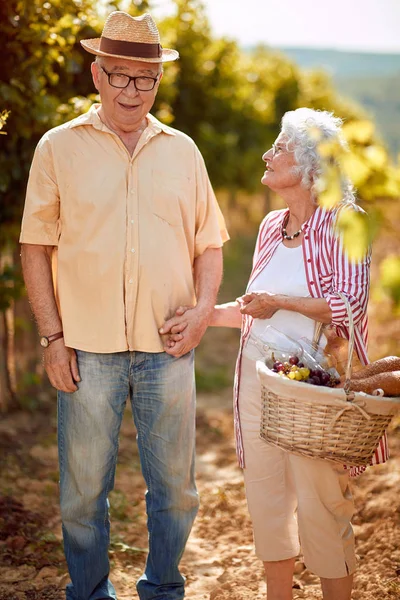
{"x": 120, "y": 227}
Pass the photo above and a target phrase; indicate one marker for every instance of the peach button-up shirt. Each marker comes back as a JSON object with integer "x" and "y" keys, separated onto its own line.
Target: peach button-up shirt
{"x": 126, "y": 229}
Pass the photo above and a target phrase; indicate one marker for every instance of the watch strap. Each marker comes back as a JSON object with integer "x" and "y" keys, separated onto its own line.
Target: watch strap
{"x": 55, "y": 336}
{"x": 46, "y": 340}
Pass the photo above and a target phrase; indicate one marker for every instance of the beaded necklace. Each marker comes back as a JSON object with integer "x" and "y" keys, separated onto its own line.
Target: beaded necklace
{"x": 295, "y": 235}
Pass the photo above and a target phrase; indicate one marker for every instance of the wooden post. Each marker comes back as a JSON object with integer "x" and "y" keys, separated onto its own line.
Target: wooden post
{"x": 4, "y": 400}
{"x": 8, "y": 377}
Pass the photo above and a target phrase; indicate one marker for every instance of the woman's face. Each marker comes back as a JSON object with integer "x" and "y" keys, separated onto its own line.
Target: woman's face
{"x": 279, "y": 164}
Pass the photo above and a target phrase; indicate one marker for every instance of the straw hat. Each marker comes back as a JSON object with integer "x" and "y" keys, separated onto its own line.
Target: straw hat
{"x": 134, "y": 38}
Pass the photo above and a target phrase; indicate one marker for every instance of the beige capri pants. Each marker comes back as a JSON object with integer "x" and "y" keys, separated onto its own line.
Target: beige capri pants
{"x": 296, "y": 504}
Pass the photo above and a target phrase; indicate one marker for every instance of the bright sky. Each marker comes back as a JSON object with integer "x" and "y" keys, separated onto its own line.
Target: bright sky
{"x": 369, "y": 25}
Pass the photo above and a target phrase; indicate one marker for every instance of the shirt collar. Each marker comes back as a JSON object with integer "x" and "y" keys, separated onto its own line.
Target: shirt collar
{"x": 91, "y": 117}
{"x": 317, "y": 218}
{"x": 155, "y": 124}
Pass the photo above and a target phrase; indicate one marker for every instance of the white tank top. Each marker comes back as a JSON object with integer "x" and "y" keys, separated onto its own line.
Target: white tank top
{"x": 285, "y": 274}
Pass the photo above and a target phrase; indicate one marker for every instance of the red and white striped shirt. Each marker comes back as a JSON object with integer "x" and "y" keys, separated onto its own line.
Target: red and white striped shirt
{"x": 328, "y": 270}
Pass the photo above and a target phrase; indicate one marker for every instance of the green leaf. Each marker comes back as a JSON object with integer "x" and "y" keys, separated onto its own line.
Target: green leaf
{"x": 359, "y": 131}
{"x": 390, "y": 276}
{"x": 355, "y": 229}
{"x": 328, "y": 187}
{"x": 355, "y": 168}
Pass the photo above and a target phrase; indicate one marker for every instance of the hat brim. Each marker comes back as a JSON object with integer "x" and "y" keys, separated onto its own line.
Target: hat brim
{"x": 92, "y": 45}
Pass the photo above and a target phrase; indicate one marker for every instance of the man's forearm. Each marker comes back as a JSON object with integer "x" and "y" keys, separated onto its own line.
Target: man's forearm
{"x": 207, "y": 278}
{"x": 194, "y": 322}
{"x": 37, "y": 270}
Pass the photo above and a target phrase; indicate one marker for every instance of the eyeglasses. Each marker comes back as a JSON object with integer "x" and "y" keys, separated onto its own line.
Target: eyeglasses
{"x": 276, "y": 149}
{"x": 141, "y": 83}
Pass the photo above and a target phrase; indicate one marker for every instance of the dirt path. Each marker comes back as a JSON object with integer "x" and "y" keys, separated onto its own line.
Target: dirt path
{"x": 219, "y": 563}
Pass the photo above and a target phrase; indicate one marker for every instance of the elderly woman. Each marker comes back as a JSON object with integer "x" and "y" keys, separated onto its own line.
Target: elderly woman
{"x": 299, "y": 266}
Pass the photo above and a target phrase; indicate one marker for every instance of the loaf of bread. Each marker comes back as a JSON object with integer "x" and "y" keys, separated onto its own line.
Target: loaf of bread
{"x": 383, "y": 365}
{"x": 383, "y": 374}
{"x": 388, "y": 382}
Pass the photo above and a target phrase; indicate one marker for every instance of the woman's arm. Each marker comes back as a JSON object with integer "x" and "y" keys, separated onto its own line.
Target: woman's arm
{"x": 222, "y": 315}
{"x": 350, "y": 276}
{"x": 262, "y": 305}
{"x": 226, "y": 315}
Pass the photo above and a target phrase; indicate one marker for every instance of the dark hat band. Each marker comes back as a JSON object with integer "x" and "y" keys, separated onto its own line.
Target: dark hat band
{"x": 122, "y": 48}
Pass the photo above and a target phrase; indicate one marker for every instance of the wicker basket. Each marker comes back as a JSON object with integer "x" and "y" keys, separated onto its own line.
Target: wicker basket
{"x": 318, "y": 422}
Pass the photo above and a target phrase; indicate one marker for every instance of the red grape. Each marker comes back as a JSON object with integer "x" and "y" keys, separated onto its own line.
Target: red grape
{"x": 325, "y": 377}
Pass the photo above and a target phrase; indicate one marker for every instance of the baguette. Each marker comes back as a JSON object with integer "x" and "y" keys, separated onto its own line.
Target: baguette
{"x": 383, "y": 365}
{"x": 389, "y": 382}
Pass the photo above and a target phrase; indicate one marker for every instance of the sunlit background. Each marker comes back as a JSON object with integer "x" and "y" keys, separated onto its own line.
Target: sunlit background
{"x": 367, "y": 25}
{"x": 242, "y": 65}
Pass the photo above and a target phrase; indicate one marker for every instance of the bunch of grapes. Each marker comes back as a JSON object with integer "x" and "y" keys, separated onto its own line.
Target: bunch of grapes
{"x": 297, "y": 371}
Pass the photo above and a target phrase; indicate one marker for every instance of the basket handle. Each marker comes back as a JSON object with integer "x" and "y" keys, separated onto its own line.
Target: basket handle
{"x": 317, "y": 335}
{"x": 351, "y": 345}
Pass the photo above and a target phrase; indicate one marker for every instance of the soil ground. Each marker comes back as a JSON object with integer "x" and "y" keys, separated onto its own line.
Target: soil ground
{"x": 219, "y": 562}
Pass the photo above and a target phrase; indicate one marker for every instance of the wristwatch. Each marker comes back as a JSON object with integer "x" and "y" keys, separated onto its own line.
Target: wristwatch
{"x": 45, "y": 341}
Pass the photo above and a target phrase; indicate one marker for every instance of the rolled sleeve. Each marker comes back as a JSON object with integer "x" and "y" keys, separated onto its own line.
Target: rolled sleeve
{"x": 41, "y": 217}
{"x": 211, "y": 231}
{"x": 352, "y": 278}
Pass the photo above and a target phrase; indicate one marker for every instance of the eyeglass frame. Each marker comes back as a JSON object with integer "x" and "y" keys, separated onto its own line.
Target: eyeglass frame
{"x": 154, "y": 79}
{"x": 275, "y": 148}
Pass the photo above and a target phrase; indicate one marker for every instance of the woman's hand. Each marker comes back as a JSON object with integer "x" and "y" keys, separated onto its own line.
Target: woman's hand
{"x": 185, "y": 329}
{"x": 259, "y": 305}
{"x": 175, "y": 326}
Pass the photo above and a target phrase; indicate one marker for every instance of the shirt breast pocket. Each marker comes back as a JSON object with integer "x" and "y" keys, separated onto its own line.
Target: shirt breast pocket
{"x": 168, "y": 198}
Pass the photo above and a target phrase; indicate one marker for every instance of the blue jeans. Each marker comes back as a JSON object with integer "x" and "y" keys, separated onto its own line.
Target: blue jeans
{"x": 162, "y": 394}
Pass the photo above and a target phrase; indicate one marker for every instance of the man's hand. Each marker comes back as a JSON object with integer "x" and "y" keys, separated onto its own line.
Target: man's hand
{"x": 59, "y": 361}
{"x": 185, "y": 330}
{"x": 187, "y": 327}
{"x": 259, "y": 305}
{"x": 175, "y": 326}
{"x": 61, "y": 366}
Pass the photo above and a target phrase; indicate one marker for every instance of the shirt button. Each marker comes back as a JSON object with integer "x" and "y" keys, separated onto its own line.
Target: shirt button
{"x": 308, "y": 259}
{"x": 306, "y": 237}
{"x": 131, "y": 281}
{"x": 311, "y": 283}
{"x": 132, "y": 249}
{"x": 132, "y": 221}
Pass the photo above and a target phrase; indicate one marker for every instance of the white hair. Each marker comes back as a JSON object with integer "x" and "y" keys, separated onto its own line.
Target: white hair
{"x": 304, "y": 130}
